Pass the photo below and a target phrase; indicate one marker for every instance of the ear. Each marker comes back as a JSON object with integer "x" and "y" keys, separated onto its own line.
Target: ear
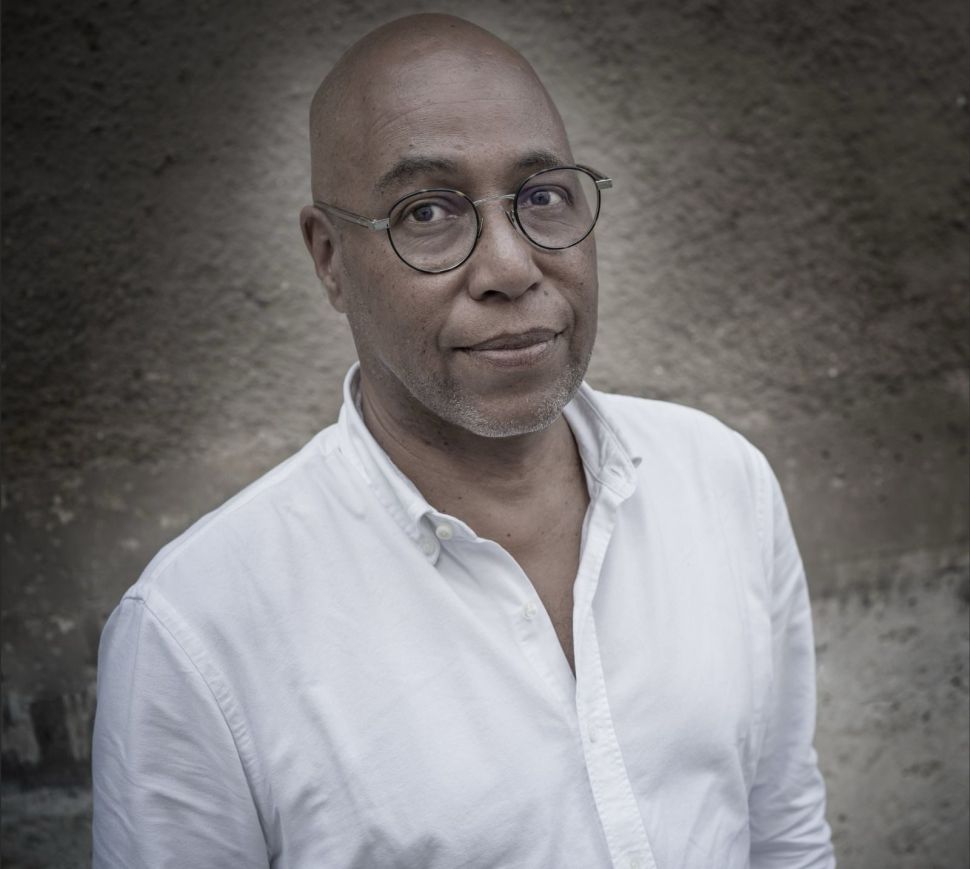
{"x": 321, "y": 241}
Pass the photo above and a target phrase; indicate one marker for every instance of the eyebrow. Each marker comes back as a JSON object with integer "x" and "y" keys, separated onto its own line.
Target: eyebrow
{"x": 537, "y": 160}
{"x": 410, "y": 167}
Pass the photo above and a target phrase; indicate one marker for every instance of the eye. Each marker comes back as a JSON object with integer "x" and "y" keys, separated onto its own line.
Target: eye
{"x": 541, "y": 197}
{"x": 427, "y": 212}
{"x": 430, "y": 214}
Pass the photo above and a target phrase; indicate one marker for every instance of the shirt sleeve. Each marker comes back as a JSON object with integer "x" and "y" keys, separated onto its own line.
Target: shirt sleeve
{"x": 169, "y": 786}
{"x": 787, "y": 799}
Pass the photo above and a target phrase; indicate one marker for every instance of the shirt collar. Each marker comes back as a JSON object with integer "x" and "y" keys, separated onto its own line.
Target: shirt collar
{"x": 607, "y": 461}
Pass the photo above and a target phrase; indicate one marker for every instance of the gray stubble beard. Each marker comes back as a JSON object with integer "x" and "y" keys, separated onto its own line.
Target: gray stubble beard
{"x": 456, "y": 407}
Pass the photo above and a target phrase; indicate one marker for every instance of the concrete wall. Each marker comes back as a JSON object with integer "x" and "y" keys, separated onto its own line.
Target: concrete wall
{"x": 786, "y": 247}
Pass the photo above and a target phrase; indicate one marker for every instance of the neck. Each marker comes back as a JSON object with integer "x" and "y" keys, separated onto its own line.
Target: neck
{"x": 456, "y": 469}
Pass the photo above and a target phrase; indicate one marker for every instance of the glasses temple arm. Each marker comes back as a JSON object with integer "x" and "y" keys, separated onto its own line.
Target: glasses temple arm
{"x": 367, "y": 222}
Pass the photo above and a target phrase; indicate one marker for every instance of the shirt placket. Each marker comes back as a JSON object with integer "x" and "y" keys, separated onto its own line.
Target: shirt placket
{"x": 613, "y": 794}
{"x": 538, "y": 639}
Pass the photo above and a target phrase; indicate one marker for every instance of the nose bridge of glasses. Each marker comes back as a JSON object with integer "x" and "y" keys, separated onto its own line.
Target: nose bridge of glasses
{"x": 509, "y": 212}
{"x": 497, "y": 198}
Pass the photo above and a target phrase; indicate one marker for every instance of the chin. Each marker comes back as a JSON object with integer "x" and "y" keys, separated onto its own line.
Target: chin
{"x": 488, "y": 426}
{"x": 523, "y": 415}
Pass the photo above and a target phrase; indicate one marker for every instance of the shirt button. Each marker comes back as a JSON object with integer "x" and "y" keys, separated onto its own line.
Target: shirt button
{"x": 427, "y": 546}
{"x": 633, "y": 863}
{"x": 530, "y": 610}
{"x": 444, "y": 531}
{"x": 594, "y": 732}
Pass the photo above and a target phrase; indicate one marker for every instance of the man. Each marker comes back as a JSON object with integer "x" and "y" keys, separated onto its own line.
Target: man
{"x": 491, "y": 617}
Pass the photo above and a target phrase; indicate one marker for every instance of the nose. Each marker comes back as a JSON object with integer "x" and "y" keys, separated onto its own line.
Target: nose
{"x": 504, "y": 263}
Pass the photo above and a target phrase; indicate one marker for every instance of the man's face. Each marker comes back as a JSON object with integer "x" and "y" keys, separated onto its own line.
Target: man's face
{"x": 500, "y": 344}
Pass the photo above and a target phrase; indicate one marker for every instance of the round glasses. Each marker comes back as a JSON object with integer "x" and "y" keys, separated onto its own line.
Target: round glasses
{"x": 436, "y": 230}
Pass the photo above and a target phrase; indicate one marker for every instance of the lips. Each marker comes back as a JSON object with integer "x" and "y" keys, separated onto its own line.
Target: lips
{"x": 514, "y": 341}
{"x": 514, "y": 351}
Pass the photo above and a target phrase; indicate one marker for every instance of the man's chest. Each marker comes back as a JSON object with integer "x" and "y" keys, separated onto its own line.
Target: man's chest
{"x": 551, "y": 565}
{"x": 429, "y": 711}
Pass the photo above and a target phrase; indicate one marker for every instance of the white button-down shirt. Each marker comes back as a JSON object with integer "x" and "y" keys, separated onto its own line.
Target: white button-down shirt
{"x": 328, "y": 672}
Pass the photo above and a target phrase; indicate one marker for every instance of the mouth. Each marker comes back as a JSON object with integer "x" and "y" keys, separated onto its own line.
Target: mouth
{"x": 510, "y": 350}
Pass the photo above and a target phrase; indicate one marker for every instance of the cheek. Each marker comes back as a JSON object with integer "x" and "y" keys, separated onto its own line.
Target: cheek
{"x": 369, "y": 280}
{"x": 391, "y": 312}
{"x": 591, "y": 282}
{"x": 582, "y": 278}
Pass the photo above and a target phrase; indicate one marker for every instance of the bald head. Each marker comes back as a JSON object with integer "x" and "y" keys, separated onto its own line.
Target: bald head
{"x": 412, "y": 62}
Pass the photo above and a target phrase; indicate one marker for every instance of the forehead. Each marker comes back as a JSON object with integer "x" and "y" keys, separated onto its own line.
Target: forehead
{"x": 483, "y": 115}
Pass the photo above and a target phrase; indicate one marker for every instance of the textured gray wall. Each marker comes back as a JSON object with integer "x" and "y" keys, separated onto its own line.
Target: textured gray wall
{"x": 786, "y": 247}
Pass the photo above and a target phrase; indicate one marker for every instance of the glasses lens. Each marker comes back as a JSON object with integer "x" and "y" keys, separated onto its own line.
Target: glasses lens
{"x": 558, "y": 208}
{"x": 433, "y": 231}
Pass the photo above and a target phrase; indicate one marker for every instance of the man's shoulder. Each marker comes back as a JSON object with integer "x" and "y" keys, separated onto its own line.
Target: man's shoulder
{"x": 682, "y": 439}
{"x": 254, "y": 526}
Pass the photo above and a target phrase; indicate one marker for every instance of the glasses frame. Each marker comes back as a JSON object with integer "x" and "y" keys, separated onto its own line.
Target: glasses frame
{"x": 379, "y": 224}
